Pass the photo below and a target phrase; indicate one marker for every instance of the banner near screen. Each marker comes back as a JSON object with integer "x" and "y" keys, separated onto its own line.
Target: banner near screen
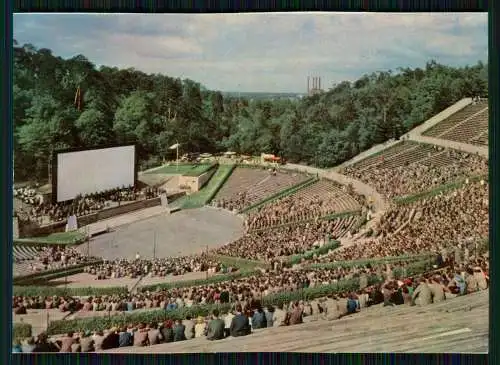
{"x": 96, "y": 170}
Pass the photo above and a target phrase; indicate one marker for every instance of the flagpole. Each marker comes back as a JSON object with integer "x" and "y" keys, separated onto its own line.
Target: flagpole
{"x": 177, "y": 160}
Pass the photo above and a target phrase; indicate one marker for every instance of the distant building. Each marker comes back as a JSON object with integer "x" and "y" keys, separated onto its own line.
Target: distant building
{"x": 314, "y": 87}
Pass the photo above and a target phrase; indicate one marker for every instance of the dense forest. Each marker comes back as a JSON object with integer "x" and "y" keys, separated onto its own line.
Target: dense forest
{"x": 62, "y": 103}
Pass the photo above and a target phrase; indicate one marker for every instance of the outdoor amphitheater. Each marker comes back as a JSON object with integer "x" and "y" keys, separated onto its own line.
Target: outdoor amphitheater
{"x": 392, "y": 244}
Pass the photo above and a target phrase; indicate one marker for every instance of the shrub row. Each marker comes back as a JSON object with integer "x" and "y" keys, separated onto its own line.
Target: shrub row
{"x": 21, "y": 331}
{"x": 308, "y": 255}
{"x": 204, "y": 196}
{"x": 199, "y": 282}
{"x": 42, "y": 275}
{"x": 440, "y": 189}
{"x": 281, "y": 194}
{"x": 46, "y": 291}
{"x": 240, "y": 263}
{"x": 54, "y": 239}
{"x": 201, "y": 169}
{"x": 373, "y": 261}
{"x": 159, "y": 315}
{"x": 326, "y": 218}
{"x": 101, "y": 323}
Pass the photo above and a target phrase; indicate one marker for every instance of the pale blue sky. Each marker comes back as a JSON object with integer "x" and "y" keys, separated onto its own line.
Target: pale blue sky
{"x": 261, "y": 52}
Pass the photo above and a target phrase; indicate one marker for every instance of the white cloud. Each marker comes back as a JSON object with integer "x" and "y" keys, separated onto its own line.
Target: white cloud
{"x": 261, "y": 52}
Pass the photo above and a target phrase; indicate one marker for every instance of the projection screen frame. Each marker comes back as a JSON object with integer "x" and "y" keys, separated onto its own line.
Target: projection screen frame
{"x": 57, "y": 152}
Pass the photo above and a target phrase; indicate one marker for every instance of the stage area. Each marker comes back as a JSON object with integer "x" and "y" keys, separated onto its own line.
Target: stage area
{"x": 181, "y": 233}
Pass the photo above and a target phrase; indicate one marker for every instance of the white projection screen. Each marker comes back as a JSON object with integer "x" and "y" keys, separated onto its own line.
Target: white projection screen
{"x": 94, "y": 170}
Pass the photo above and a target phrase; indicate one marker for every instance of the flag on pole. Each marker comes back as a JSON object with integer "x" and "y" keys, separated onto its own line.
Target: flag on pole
{"x": 173, "y": 147}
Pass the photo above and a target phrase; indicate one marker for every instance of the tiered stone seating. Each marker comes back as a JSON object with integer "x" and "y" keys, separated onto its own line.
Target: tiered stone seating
{"x": 466, "y": 131}
{"x": 389, "y": 153}
{"x": 322, "y": 198}
{"x": 444, "y": 126}
{"x": 481, "y": 139}
{"x": 21, "y": 253}
{"x": 272, "y": 185}
{"x": 288, "y": 240}
{"x": 334, "y": 199}
{"x": 241, "y": 180}
{"x": 417, "y": 169}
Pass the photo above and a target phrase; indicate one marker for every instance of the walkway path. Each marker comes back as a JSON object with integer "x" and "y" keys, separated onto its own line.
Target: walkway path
{"x": 482, "y": 151}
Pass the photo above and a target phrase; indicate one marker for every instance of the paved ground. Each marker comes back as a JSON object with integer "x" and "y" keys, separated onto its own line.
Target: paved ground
{"x": 456, "y": 325}
{"x": 185, "y": 232}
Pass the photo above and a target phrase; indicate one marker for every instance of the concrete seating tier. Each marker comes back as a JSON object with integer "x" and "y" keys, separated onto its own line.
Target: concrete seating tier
{"x": 285, "y": 241}
{"x": 240, "y": 180}
{"x": 481, "y": 139}
{"x": 445, "y": 125}
{"x": 272, "y": 185}
{"x": 466, "y": 131}
{"x": 317, "y": 200}
{"x": 387, "y": 154}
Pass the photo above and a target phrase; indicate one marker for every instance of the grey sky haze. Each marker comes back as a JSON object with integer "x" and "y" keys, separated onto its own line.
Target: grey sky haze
{"x": 261, "y": 52}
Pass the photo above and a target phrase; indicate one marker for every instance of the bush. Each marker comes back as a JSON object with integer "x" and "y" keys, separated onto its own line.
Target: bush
{"x": 202, "y": 197}
{"x": 201, "y": 169}
{"x": 48, "y": 273}
{"x": 159, "y": 315}
{"x": 374, "y": 261}
{"x": 329, "y": 217}
{"x": 54, "y": 239}
{"x": 308, "y": 255}
{"x": 281, "y": 194}
{"x": 240, "y": 263}
{"x": 21, "y": 331}
{"x": 408, "y": 199}
{"x": 100, "y": 323}
{"x": 46, "y": 291}
{"x": 210, "y": 281}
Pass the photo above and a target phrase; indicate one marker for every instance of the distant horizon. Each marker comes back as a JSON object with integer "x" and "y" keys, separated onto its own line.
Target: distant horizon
{"x": 228, "y": 52}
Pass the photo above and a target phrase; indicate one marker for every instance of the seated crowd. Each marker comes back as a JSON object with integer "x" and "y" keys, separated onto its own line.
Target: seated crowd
{"x": 82, "y": 205}
{"x": 159, "y": 267}
{"x": 282, "y": 241}
{"x": 421, "y": 176}
{"x": 449, "y": 280}
{"x": 295, "y": 208}
{"x": 450, "y": 224}
{"x": 455, "y": 216}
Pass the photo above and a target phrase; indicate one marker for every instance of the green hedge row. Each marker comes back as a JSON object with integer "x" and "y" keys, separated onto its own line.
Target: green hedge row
{"x": 308, "y": 255}
{"x": 101, "y": 323}
{"x": 240, "y": 263}
{"x": 42, "y": 275}
{"x": 328, "y": 217}
{"x": 198, "y": 282}
{"x": 202, "y": 197}
{"x": 373, "y": 261}
{"x": 436, "y": 191}
{"x": 201, "y": 169}
{"x": 54, "y": 239}
{"x": 20, "y": 331}
{"x": 281, "y": 194}
{"x": 226, "y": 173}
{"x": 159, "y": 315}
{"x": 46, "y": 291}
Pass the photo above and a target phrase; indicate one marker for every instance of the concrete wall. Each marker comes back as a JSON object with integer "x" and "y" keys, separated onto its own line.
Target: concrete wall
{"x": 37, "y": 231}
{"x": 195, "y": 183}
